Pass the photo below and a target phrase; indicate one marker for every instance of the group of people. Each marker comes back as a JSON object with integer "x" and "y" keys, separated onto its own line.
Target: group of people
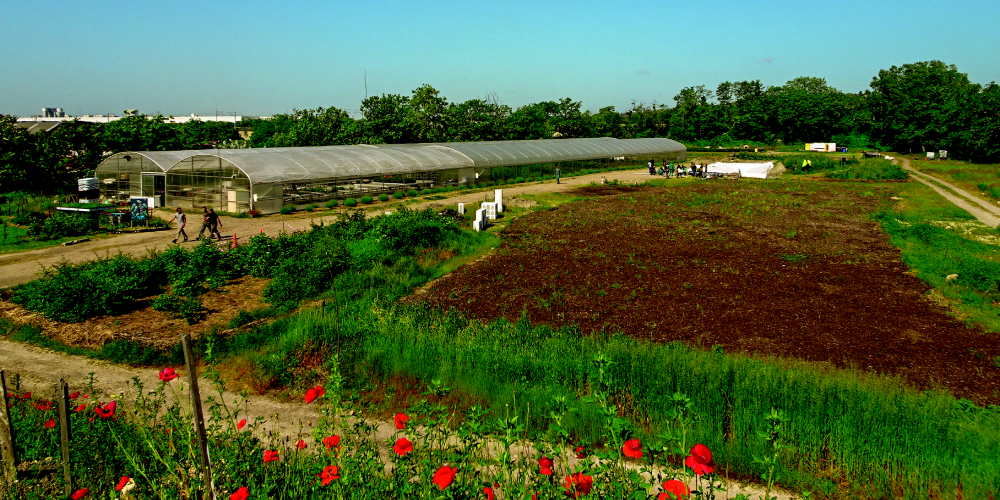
{"x": 210, "y": 221}
{"x": 679, "y": 170}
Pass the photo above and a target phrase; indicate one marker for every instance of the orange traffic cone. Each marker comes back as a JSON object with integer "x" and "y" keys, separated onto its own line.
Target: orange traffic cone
{"x": 234, "y": 243}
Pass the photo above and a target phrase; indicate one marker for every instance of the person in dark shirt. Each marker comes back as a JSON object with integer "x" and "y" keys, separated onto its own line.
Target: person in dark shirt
{"x": 214, "y": 223}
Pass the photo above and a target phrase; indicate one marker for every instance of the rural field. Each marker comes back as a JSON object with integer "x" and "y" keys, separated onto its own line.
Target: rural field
{"x": 795, "y": 269}
{"x": 802, "y": 329}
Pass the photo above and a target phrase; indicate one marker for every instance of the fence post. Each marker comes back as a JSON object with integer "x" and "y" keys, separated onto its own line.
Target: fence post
{"x": 6, "y": 435}
{"x": 199, "y": 418}
{"x": 64, "y": 434}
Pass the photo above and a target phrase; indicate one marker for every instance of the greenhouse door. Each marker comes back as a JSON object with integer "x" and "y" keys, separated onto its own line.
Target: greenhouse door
{"x": 154, "y": 186}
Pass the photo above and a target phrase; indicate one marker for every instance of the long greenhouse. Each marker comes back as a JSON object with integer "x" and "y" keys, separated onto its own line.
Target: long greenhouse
{"x": 241, "y": 180}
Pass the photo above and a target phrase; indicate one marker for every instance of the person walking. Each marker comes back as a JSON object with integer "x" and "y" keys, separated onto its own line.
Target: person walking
{"x": 205, "y": 223}
{"x": 181, "y": 222}
{"x": 214, "y": 223}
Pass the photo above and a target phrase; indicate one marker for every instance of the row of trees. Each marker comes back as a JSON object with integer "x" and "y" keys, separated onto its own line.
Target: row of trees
{"x": 923, "y": 106}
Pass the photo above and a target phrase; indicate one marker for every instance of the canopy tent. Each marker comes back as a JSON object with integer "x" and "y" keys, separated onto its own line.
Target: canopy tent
{"x": 755, "y": 170}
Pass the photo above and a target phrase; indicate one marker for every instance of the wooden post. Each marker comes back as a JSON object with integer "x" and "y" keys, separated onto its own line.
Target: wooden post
{"x": 9, "y": 455}
{"x": 199, "y": 418}
{"x": 64, "y": 434}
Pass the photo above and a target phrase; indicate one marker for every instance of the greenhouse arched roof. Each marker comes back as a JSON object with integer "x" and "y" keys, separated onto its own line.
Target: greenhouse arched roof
{"x": 288, "y": 165}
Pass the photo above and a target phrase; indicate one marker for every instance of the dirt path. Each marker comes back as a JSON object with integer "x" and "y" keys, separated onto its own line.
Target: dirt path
{"x": 986, "y": 213}
{"x": 21, "y": 267}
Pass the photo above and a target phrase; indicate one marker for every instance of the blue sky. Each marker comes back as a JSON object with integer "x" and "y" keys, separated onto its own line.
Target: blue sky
{"x": 259, "y": 58}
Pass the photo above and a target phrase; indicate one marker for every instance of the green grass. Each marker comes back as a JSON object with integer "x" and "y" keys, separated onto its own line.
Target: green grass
{"x": 17, "y": 241}
{"x": 938, "y": 239}
{"x": 117, "y": 351}
{"x": 981, "y": 180}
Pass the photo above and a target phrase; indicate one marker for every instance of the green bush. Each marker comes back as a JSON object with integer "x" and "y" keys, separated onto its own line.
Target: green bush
{"x": 287, "y": 209}
{"x": 312, "y": 206}
{"x": 61, "y": 226}
{"x": 366, "y": 199}
{"x": 449, "y": 189}
{"x": 870, "y": 169}
{"x": 350, "y": 202}
{"x": 383, "y": 197}
{"x": 28, "y": 218}
{"x": 412, "y": 192}
{"x": 519, "y": 180}
{"x": 74, "y": 293}
{"x": 398, "y": 195}
{"x": 331, "y": 204}
{"x": 463, "y": 187}
{"x": 530, "y": 179}
{"x": 425, "y": 191}
{"x": 178, "y": 306}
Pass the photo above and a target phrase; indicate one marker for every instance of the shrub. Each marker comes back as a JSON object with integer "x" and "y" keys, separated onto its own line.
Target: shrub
{"x": 312, "y": 206}
{"x": 177, "y": 306}
{"x": 60, "y": 226}
{"x": 398, "y": 195}
{"x": 519, "y": 180}
{"x": 383, "y": 197}
{"x": 350, "y": 202}
{"x": 425, "y": 191}
{"x": 412, "y": 192}
{"x": 530, "y": 179}
{"x": 463, "y": 187}
{"x": 366, "y": 199}
{"x": 331, "y": 204}
{"x": 287, "y": 209}
{"x": 28, "y": 218}
{"x": 449, "y": 189}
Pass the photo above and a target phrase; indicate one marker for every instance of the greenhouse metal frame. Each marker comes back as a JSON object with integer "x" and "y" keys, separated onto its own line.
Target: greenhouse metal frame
{"x": 265, "y": 179}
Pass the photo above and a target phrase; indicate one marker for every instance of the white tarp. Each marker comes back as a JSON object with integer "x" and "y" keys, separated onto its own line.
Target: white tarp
{"x": 755, "y": 170}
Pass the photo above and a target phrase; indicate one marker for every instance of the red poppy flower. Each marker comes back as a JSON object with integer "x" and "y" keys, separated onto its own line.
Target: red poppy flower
{"x": 700, "y": 460}
{"x": 488, "y": 491}
{"x": 122, "y": 482}
{"x": 315, "y": 392}
{"x": 545, "y": 466}
{"x": 168, "y": 374}
{"x": 50, "y": 424}
{"x": 402, "y": 446}
{"x": 444, "y": 476}
{"x": 240, "y": 494}
{"x": 107, "y": 411}
{"x": 674, "y": 490}
{"x": 26, "y": 395}
{"x": 578, "y": 485}
{"x": 329, "y": 474}
{"x": 80, "y": 408}
{"x": 270, "y": 455}
{"x": 401, "y": 420}
{"x": 331, "y": 442}
{"x": 301, "y": 445}
{"x": 78, "y": 494}
{"x": 632, "y": 449}
{"x": 74, "y": 395}
{"x": 241, "y": 424}
{"x": 44, "y": 406}
{"x": 580, "y": 452}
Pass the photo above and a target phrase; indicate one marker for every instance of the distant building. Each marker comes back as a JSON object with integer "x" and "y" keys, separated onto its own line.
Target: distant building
{"x": 58, "y": 115}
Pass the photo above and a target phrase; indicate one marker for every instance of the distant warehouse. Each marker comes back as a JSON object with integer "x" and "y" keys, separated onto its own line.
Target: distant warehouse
{"x": 240, "y": 180}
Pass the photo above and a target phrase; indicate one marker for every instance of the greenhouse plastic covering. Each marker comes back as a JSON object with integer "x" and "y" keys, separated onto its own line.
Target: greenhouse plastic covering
{"x": 288, "y": 165}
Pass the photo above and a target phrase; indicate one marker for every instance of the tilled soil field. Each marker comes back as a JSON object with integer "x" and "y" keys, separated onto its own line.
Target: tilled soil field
{"x": 785, "y": 269}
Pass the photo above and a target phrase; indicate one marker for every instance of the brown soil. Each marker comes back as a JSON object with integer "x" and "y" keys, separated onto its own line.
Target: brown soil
{"x": 795, "y": 270}
{"x": 145, "y": 324}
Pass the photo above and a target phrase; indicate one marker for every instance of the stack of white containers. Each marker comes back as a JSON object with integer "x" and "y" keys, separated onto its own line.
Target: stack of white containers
{"x": 90, "y": 190}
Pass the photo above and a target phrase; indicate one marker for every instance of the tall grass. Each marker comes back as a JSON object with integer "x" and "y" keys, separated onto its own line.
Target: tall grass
{"x": 872, "y": 432}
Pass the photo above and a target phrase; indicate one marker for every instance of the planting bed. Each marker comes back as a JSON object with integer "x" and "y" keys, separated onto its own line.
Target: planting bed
{"x": 790, "y": 269}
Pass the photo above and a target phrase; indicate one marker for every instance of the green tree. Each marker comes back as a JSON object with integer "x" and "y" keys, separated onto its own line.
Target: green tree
{"x": 385, "y": 120}
{"x": 428, "y": 114}
{"x": 984, "y": 136}
{"x": 478, "y": 120}
{"x": 920, "y": 106}
{"x": 141, "y": 133}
